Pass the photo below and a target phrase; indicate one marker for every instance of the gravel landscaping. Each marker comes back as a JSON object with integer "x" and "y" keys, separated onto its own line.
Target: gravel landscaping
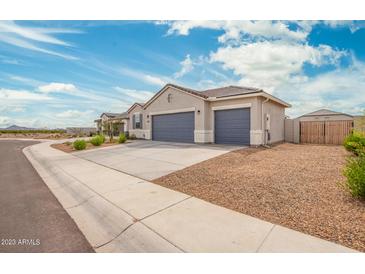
{"x": 297, "y": 186}
{"x": 67, "y": 147}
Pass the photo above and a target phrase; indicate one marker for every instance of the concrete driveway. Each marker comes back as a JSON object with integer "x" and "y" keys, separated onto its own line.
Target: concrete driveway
{"x": 149, "y": 160}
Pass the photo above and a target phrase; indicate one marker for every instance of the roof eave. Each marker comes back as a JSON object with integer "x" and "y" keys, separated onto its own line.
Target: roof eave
{"x": 154, "y": 97}
{"x": 252, "y": 94}
{"x": 133, "y": 106}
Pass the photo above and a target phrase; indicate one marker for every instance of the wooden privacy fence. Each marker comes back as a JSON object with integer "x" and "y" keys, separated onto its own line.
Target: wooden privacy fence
{"x": 324, "y": 132}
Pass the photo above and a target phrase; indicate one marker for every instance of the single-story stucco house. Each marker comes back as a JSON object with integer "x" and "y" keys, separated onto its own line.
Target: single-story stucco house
{"x": 118, "y": 122}
{"x": 228, "y": 115}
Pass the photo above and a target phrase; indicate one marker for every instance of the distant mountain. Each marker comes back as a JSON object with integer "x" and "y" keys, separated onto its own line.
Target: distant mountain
{"x": 15, "y": 127}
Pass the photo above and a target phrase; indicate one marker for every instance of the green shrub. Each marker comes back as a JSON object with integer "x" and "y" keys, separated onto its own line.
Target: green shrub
{"x": 79, "y": 144}
{"x": 132, "y": 137}
{"x": 355, "y": 174}
{"x": 355, "y": 142}
{"x": 122, "y": 138}
{"x": 102, "y": 137}
{"x": 97, "y": 140}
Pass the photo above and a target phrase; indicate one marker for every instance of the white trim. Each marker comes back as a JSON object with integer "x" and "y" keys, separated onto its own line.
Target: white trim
{"x": 256, "y": 137}
{"x": 247, "y": 105}
{"x": 173, "y": 111}
{"x": 203, "y": 136}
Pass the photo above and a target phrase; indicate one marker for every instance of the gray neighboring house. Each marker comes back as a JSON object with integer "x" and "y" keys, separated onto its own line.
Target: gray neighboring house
{"x": 119, "y": 122}
{"x": 227, "y": 115}
{"x": 323, "y": 126}
{"x": 81, "y": 131}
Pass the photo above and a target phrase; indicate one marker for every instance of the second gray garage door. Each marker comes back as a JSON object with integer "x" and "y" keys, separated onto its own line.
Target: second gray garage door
{"x": 176, "y": 127}
{"x": 232, "y": 126}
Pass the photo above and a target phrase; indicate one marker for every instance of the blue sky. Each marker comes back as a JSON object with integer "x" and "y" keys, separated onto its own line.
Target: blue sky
{"x": 65, "y": 73}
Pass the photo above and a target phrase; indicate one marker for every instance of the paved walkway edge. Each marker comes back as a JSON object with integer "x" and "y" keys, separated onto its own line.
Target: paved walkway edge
{"x": 120, "y": 213}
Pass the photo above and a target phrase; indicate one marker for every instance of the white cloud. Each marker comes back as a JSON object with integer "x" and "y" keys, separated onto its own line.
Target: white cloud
{"x": 25, "y": 80}
{"x": 135, "y": 95}
{"x": 146, "y": 78}
{"x": 271, "y": 55}
{"x": 14, "y": 108}
{"x": 35, "y": 34}
{"x": 235, "y": 30}
{"x": 4, "y": 121}
{"x": 271, "y": 63}
{"x": 8, "y": 95}
{"x": 153, "y": 80}
{"x": 352, "y": 25}
{"x": 74, "y": 114}
{"x": 10, "y": 61}
{"x": 187, "y": 65}
{"x": 24, "y": 37}
{"x": 58, "y": 87}
{"x": 341, "y": 89}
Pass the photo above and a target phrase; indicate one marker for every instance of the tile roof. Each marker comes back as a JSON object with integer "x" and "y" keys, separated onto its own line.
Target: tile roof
{"x": 115, "y": 115}
{"x": 229, "y": 91}
{"x": 189, "y": 90}
{"x": 110, "y": 114}
{"x": 324, "y": 112}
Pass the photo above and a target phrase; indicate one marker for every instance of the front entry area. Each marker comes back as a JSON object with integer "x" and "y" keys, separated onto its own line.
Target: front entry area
{"x": 232, "y": 126}
{"x": 175, "y": 127}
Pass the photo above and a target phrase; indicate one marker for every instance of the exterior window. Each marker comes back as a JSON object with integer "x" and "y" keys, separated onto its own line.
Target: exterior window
{"x": 137, "y": 117}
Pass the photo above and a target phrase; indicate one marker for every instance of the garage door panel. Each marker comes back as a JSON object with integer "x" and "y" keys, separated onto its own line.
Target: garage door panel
{"x": 232, "y": 126}
{"x": 176, "y": 127}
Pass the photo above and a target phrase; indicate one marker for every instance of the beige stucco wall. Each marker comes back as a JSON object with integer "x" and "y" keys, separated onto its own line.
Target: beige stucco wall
{"x": 277, "y": 118}
{"x": 180, "y": 102}
{"x": 289, "y": 130}
{"x": 139, "y": 133}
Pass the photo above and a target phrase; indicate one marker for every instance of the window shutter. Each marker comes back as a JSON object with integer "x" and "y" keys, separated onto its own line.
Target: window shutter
{"x": 134, "y": 121}
{"x": 140, "y": 121}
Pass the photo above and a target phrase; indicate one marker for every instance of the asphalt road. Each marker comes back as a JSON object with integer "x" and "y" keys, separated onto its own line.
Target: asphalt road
{"x": 31, "y": 218}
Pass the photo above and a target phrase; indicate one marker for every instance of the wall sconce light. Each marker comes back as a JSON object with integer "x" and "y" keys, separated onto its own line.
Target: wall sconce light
{"x": 198, "y": 111}
{"x": 148, "y": 116}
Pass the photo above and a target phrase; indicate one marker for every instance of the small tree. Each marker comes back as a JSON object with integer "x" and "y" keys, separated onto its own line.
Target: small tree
{"x": 115, "y": 128}
{"x": 108, "y": 129}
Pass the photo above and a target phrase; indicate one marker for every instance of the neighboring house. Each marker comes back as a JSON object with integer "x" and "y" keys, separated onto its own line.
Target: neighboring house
{"x": 319, "y": 127}
{"x": 81, "y": 131}
{"x": 228, "y": 115}
{"x": 117, "y": 122}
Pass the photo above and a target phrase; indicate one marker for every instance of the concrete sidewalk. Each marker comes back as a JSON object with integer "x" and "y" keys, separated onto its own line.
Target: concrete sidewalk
{"x": 121, "y": 213}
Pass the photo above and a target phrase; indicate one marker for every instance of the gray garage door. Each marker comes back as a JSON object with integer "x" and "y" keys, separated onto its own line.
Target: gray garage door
{"x": 176, "y": 127}
{"x": 232, "y": 126}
